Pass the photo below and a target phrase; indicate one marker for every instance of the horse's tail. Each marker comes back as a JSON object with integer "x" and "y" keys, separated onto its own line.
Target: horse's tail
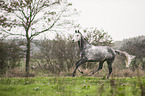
{"x": 128, "y": 58}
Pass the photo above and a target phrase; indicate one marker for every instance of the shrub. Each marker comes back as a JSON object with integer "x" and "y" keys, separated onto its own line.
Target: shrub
{"x": 10, "y": 55}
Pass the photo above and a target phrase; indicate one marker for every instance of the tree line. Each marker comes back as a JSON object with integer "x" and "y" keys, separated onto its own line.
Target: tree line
{"x": 60, "y": 54}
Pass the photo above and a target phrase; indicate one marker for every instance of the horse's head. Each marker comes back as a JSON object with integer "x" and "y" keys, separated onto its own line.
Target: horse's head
{"x": 77, "y": 36}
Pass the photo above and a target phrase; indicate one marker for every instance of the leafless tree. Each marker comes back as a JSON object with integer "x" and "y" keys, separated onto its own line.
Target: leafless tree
{"x": 30, "y": 18}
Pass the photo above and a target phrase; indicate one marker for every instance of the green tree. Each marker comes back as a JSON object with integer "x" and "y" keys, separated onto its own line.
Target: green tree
{"x": 30, "y": 18}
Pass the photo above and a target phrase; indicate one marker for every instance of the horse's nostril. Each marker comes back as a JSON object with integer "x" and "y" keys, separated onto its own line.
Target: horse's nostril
{"x": 72, "y": 40}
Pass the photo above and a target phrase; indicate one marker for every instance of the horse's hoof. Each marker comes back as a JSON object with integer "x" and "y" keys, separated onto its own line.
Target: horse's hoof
{"x": 107, "y": 77}
{"x": 73, "y": 75}
{"x": 91, "y": 74}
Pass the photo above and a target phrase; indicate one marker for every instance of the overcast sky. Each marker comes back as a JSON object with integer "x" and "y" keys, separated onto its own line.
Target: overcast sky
{"x": 122, "y": 19}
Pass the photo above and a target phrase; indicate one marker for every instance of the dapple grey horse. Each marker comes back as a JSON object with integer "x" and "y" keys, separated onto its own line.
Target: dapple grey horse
{"x": 91, "y": 53}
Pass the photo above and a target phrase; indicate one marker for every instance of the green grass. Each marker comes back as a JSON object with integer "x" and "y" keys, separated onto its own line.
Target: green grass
{"x": 69, "y": 86}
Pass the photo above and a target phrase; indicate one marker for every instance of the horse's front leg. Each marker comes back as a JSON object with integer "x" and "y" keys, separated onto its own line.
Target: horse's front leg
{"x": 78, "y": 64}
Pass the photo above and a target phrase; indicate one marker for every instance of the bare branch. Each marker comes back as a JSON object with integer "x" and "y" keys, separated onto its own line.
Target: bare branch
{"x": 4, "y": 36}
{"x": 37, "y": 33}
{"x": 24, "y": 14}
{"x": 19, "y": 17}
{"x": 9, "y": 33}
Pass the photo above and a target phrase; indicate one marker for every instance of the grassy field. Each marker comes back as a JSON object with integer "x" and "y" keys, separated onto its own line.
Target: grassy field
{"x": 69, "y": 86}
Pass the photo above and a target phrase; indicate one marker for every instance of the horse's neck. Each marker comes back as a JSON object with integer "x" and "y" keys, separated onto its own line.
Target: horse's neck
{"x": 82, "y": 43}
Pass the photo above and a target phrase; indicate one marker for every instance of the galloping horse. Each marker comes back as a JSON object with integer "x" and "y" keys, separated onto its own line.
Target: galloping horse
{"x": 91, "y": 53}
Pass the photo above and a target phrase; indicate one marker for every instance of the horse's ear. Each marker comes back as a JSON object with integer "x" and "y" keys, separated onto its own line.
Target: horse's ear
{"x": 76, "y": 31}
{"x": 79, "y": 31}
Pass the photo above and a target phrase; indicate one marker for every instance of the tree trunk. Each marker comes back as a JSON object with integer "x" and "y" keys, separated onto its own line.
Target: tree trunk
{"x": 27, "y": 57}
{"x": 27, "y": 52}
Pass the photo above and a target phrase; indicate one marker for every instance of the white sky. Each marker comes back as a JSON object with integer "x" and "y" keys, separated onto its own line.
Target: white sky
{"x": 122, "y": 19}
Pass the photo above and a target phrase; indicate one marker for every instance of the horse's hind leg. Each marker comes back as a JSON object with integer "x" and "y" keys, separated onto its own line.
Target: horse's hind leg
{"x": 78, "y": 64}
{"x": 109, "y": 62}
{"x": 100, "y": 67}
